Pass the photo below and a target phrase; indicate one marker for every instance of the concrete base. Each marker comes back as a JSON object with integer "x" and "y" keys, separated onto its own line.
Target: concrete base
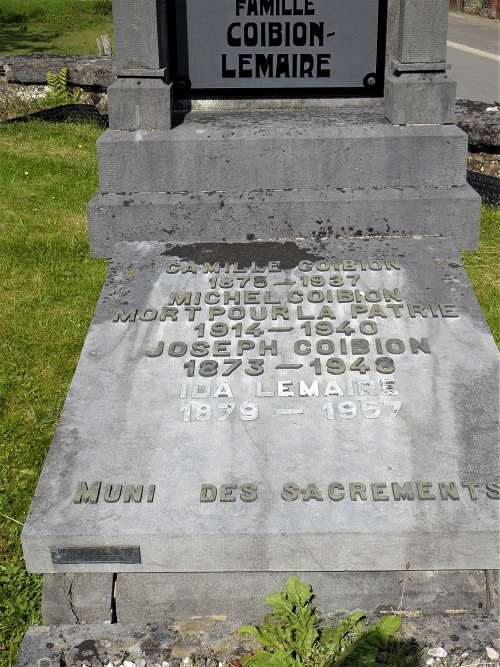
{"x": 281, "y": 214}
{"x": 140, "y": 102}
{"x": 77, "y": 598}
{"x": 209, "y": 641}
{"x": 420, "y": 97}
{"x": 263, "y": 174}
{"x": 240, "y": 596}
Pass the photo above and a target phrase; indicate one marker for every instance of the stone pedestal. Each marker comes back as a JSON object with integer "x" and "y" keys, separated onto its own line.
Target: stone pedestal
{"x": 419, "y": 90}
{"x": 239, "y": 176}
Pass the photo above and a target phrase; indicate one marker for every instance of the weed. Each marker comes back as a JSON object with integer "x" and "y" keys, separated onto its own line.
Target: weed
{"x": 401, "y": 653}
{"x": 292, "y": 638}
{"x": 403, "y": 581}
{"x": 58, "y": 90}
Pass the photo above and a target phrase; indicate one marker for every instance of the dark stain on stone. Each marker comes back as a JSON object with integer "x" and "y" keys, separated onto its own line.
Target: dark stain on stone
{"x": 86, "y": 650}
{"x": 289, "y": 254}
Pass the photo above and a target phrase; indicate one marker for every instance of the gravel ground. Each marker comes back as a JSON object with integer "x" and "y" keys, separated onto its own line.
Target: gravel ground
{"x": 212, "y": 642}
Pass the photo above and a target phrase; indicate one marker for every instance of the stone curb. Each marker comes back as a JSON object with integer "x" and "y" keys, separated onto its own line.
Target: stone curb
{"x": 212, "y": 640}
{"x": 481, "y": 124}
{"x": 481, "y": 121}
{"x": 82, "y": 70}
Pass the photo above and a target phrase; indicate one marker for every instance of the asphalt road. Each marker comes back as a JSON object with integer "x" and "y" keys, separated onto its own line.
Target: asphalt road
{"x": 474, "y": 54}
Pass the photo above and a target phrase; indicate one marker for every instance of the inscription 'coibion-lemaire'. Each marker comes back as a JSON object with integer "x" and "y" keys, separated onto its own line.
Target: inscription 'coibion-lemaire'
{"x": 276, "y": 43}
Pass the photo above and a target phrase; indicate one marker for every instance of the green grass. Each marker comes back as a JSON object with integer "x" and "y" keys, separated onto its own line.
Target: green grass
{"x": 53, "y": 26}
{"x": 483, "y": 268}
{"x": 49, "y": 288}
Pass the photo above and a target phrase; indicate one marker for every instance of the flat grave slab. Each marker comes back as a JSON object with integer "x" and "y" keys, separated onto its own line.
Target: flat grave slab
{"x": 288, "y": 406}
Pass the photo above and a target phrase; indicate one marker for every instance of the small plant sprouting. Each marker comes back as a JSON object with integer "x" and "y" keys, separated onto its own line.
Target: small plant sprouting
{"x": 403, "y": 581}
{"x": 59, "y": 94}
{"x": 292, "y": 638}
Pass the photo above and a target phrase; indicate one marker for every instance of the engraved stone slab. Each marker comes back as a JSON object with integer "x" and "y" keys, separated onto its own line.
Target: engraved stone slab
{"x": 301, "y": 406}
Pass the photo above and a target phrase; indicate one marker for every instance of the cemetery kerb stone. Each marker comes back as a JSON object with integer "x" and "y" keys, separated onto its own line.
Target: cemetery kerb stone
{"x": 287, "y": 370}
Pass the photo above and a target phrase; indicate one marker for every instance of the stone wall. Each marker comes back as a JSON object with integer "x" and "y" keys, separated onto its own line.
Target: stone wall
{"x": 26, "y": 76}
{"x": 477, "y": 7}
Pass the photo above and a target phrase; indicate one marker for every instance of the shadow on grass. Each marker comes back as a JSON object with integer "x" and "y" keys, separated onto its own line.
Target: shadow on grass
{"x": 16, "y": 39}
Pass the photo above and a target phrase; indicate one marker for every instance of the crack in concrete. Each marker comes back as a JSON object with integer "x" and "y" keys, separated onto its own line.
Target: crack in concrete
{"x": 70, "y": 598}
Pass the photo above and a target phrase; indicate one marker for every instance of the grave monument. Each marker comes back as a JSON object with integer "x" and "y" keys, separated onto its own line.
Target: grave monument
{"x": 287, "y": 370}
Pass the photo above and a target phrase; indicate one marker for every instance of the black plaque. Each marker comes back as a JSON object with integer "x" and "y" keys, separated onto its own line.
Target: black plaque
{"x": 274, "y": 47}
{"x": 87, "y": 555}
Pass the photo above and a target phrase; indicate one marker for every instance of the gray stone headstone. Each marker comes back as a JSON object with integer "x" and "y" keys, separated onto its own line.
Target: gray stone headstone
{"x": 277, "y": 407}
